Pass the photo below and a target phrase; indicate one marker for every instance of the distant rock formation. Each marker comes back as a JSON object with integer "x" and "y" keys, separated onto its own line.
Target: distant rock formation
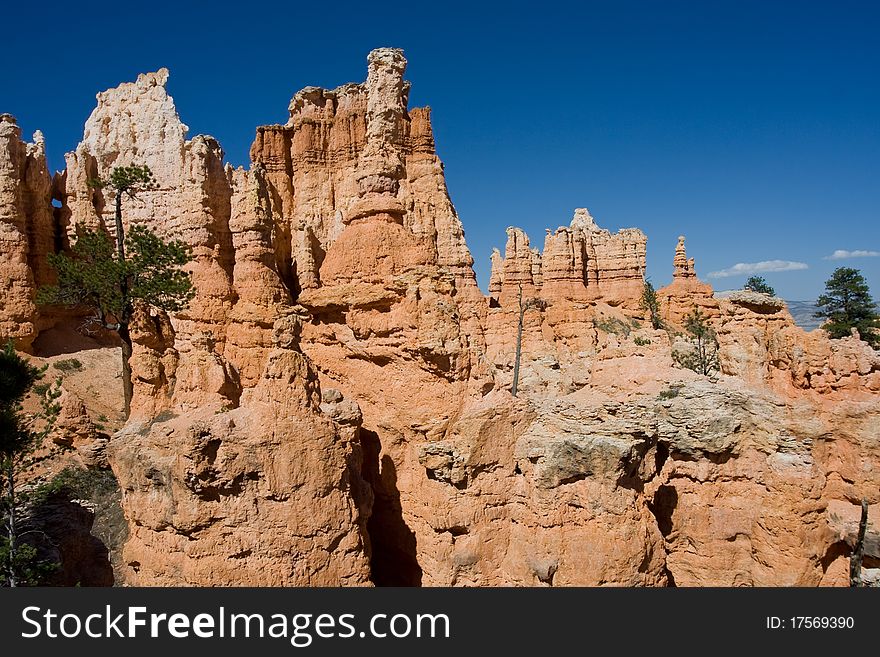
{"x": 683, "y": 267}
{"x": 579, "y": 262}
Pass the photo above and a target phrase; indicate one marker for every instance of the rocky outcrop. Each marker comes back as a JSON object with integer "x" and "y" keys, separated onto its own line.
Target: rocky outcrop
{"x": 268, "y": 493}
{"x": 686, "y": 292}
{"x": 615, "y": 487}
{"x": 682, "y": 266}
{"x": 579, "y": 262}
{"x": 137, "y": 123}
{"x": 761, "y": 343}
{"x": 752, "y": 509}
{"x": 27, "y": 230}
{"x": 72, "y": 427}
{"x": 528, "y": 496}
{"x": 758, "y": 302}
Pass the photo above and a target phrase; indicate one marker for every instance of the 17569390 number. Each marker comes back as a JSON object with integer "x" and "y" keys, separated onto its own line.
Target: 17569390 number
{"x": 810, "y": 623}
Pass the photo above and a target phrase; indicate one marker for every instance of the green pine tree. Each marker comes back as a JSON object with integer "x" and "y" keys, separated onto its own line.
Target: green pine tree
{"x": 758, "y": 284}
{"x": 702, "y": 358}
{"x": 111, "y": 279}
{"x": 651, "y": 305}
{"x": 847, "y": 305}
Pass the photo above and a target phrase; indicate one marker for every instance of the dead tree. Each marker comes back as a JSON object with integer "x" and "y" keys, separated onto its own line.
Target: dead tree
{"x": 855, "y": 562}
{"x": 523, "y": 307}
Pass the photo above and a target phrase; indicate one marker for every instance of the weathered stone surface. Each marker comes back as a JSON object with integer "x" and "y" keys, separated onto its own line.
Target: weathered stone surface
{"x": 497, "y": 508}
{"x": 265, "y": 494}
{"x": 579, "y": 262}
{"x": 73, "y": 427}
{"x": 27, "y": 230}
{"x": 756, "y": 301}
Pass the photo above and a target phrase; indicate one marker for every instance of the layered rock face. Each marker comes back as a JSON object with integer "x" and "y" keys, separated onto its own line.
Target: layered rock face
{"x": 27, "y": 230}
{"x": 579, "y": 262}
{"x": 352, "y": 153}
{"x": 333, "y": 408}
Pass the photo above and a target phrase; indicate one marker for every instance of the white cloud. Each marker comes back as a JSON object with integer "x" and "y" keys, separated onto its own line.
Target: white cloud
{"x": 746, "y": 268}
{"x": 843, "y": 254}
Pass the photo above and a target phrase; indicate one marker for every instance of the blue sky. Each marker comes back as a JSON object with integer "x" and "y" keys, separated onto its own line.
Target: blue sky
{"x": 753, "y": 128}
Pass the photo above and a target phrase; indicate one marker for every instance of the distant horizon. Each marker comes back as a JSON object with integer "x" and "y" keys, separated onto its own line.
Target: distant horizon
{"x": 750, "y": 128}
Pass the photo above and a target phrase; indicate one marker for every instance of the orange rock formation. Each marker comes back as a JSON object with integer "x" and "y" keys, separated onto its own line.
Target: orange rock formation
{"x": 333, "y": 407}
{"x": 686, "y": 291}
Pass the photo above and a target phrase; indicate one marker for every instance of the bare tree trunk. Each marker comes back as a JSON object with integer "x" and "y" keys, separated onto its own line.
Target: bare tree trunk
{"x": 127, "y": 387}
{"x": 120, "y": 231}
{"x": 519, "y": 331}
{"x": 122, "y": 330}
{"x": 11, "y": 529}
{"x": 855, "y": 562}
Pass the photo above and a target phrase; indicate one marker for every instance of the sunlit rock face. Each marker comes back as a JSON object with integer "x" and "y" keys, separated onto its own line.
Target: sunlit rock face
{"x": 579, "y": 262}
{"x": 27, "y": 230}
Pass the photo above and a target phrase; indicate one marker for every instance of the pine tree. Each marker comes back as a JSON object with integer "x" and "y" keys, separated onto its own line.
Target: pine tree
{"x": 847, "y": 305}
{"x": 651, "y": 305}
{"x": 20, "y": 434}
{"x": 702, "y": 358}
{"x": 758, "y": 284}
{"x": 141, "y": 270}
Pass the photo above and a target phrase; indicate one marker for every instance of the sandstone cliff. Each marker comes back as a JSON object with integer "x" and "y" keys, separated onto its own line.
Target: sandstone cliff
{"x": 334, "y": 406}
{"x": 27, "y": 230}
{"x": 581, "y": 261}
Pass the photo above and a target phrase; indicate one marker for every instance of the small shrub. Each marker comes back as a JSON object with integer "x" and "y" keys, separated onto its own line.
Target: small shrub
{"x": 77, "y": 483}
{"x": 68, "y": 365}
{"x": 613, "y": 325}
{"x": 670, "y": 393}
{"x": 703, "y": 356}
{"x": 641, "y": 342}
{"x": 164, "y": 416}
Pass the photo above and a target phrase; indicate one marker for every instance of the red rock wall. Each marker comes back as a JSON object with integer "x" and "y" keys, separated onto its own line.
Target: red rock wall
{"x": 27, "y": 230}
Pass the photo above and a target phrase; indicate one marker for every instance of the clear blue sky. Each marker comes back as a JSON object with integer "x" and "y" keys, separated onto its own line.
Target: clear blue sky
{"x": 751, "y": 127}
